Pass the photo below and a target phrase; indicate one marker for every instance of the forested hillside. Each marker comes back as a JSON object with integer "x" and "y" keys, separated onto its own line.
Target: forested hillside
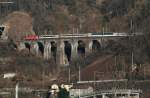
{"x": 82, "y": 16}
{"x": 67, "y": 16}
{"x": 76, "y": 16}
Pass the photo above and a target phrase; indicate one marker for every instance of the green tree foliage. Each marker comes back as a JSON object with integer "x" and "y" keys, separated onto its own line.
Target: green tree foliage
{"x": 63, "y": 93}
{"x": 145, "y": 12}
{"x": 104, "y": 20}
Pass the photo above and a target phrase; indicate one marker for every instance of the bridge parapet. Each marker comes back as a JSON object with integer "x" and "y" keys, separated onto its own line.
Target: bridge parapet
{"x": 88, "y": 35}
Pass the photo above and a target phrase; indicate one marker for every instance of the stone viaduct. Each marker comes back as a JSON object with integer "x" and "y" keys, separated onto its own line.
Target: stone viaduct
{"x": 65, "y": 47}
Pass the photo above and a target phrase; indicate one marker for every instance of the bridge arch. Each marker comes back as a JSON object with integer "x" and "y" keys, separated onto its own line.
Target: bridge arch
{"x": 81, "y": 48}
{"x": 47, "y": 50}
{"x": 54, "y": 50}
{"x": 68, "y": 50}
{"x": 27, "y": 46}
{"x": 40, "y": 47}
{"x": 96, "y": 45}
{"x": 1, "y": 30}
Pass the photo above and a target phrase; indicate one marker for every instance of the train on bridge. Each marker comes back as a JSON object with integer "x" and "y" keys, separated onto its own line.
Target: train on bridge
{"x": 96, "y": 34}
{"x": 69, "y": 36}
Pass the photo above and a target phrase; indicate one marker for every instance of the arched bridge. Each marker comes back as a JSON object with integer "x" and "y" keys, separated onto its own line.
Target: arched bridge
{"x": 65, "y": 47}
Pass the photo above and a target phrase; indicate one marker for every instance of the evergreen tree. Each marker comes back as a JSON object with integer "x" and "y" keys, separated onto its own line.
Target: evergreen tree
{"x": 63, "y": 93}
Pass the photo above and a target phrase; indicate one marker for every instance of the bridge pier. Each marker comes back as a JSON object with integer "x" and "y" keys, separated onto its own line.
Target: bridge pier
{"x": 61, "y": 54}
{"x": 90, "y": 46}
{"x": 35, "y": 48}
{"x": 101, "y": 43}
{"x": 47, "y": 50}
{"x": 21, "y": 46}
{"x": 74, "y": 49}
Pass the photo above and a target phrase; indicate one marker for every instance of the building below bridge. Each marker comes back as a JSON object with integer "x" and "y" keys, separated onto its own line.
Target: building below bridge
{"x": 114, "y": 93}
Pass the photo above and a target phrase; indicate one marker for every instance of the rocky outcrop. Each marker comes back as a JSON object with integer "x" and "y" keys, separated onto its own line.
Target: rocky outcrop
{"x": 18, "y": 25}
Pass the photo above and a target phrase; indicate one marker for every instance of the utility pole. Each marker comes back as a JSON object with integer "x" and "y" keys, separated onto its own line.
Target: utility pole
{"x": 132, "y": 54}
{"x": 132, "y": 51}
{"x": 132, "y": 62}
{"x": 69, "y": 75}
{"x": 79, "y": 74}
{"x": 79, "y": 80}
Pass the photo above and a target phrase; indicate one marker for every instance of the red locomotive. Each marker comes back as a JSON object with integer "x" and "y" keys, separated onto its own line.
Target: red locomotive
{"x": 32, "y": 37}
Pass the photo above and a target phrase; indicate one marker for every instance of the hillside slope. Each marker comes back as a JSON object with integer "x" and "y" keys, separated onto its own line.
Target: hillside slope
{"x": 30, "y": 69}
{"x": 67, "y": 16}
